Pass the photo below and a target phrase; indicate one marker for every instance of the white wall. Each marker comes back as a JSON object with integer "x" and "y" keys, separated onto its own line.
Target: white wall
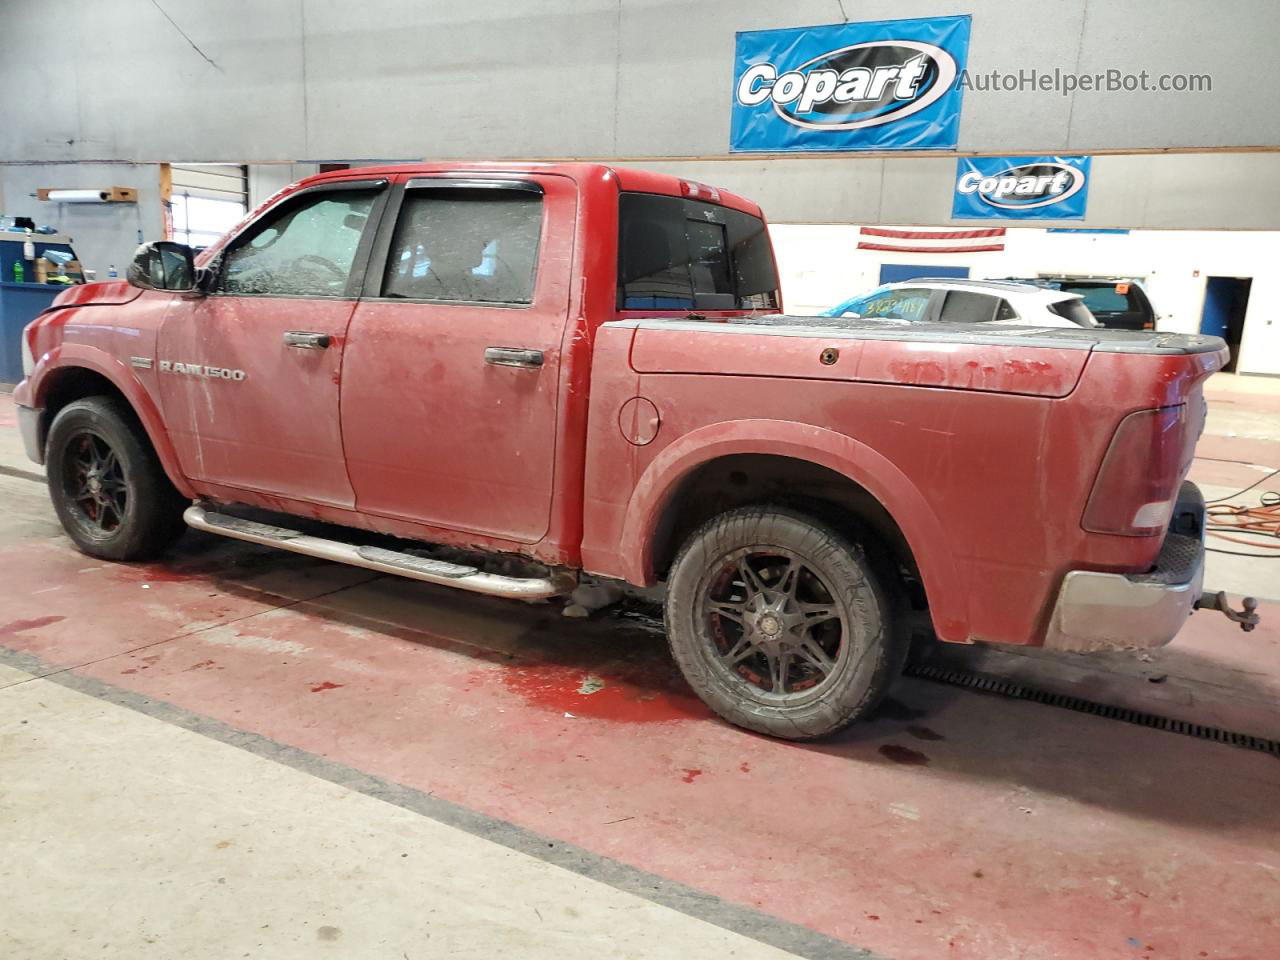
{"x": 268, "y": 179}
{"x": 821, "y": 266}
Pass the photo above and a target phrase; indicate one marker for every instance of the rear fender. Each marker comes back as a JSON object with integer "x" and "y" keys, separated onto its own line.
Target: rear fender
{"x": 69, "y": 356}
{"x": 907, "y": 505}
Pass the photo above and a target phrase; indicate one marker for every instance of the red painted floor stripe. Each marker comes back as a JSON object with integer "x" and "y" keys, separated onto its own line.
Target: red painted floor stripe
{"x": 955, "y": 826}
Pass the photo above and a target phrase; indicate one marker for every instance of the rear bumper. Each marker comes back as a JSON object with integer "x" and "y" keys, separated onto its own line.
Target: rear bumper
{"x": 1103, "y": 611}
{"x": 29, "y": 427}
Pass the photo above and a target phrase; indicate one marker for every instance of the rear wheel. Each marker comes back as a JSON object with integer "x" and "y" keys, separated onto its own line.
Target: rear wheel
{"x": 779, "y": 623}
{"x": 107, "y": 485}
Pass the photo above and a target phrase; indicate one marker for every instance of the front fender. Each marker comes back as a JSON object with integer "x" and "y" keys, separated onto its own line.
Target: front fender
{"x": 69, "y": 356}
{"x": 905, "y": 502}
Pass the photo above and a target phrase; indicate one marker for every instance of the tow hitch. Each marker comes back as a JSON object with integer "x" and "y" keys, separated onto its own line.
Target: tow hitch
{"x": 1247, "y": 617}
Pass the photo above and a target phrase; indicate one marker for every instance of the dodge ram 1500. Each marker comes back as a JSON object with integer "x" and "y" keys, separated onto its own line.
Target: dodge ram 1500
{"x": 555, "y": 371}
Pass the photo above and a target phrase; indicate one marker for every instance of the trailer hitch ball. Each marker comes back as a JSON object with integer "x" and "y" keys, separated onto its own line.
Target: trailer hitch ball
{"x": 1246, "y": 617}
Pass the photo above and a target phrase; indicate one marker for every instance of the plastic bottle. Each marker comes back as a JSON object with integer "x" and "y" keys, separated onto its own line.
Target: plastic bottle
{"x": 111, "y": 272}
{"x": 28, "y": 248}
{"x": 19, "y": 273}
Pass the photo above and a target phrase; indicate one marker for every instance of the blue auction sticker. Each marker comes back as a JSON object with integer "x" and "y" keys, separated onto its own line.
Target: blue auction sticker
{"x": 881, "y": 85}
{"x": 1021, "y": 188}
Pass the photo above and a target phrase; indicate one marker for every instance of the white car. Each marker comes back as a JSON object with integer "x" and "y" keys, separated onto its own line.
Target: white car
{"x": 969, "y": 301}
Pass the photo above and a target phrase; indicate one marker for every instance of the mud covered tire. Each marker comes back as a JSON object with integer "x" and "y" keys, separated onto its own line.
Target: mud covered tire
{"x": 101, "y": 430}
{"x": 838, "y": 572}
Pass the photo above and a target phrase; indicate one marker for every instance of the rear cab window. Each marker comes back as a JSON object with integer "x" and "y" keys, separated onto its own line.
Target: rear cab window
{"x": 680, "y": 254}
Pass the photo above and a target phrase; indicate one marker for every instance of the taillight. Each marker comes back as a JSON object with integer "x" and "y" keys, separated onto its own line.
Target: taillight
{"x": 1137, "y": 485}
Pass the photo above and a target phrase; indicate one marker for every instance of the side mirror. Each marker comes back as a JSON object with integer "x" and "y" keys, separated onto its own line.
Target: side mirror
{"x": 164, "y": 265}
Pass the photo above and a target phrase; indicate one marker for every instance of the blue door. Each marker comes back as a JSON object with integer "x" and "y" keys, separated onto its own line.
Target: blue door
{"x": 897, "y": 272}
{"x": 1217, "y": 306}
{"x": 1226, "y": 301}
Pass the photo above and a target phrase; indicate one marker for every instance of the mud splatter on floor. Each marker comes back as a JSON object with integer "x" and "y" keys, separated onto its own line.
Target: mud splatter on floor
{"x": 21, "y": 626}
{"x": 643, "y": 694}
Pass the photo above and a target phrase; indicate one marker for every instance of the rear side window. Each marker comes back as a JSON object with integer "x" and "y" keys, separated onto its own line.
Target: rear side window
{"x": 1075, "y": 311}
{"x": 469, "y": 245}
{"x": 305, "y": 250}
{"x": 965, "y": 306}
{"x": 677, "y": 254}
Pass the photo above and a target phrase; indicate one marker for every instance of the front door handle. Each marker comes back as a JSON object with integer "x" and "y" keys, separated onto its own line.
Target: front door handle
{"x": 306, "y": 340}
{"x": 512, "y": 357}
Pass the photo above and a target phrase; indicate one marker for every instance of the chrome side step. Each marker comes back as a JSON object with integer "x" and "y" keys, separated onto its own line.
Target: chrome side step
{"x": 375, "y": 558}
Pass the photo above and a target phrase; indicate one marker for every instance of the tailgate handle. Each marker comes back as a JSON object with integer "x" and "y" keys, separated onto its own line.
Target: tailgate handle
{"x": 512, "y": 357}
{"x": 306, "y": 339}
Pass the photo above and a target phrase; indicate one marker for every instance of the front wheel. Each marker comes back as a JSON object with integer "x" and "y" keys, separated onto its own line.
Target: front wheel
{"x": 779, "y": 624}
{"x": 107, "y": 485}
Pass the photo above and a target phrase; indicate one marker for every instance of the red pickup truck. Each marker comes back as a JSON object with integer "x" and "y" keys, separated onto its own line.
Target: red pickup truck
{"x": 558, "y": 373}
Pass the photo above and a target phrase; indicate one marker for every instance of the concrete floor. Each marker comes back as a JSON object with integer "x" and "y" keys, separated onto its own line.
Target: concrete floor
{"x": 241, "y": 752}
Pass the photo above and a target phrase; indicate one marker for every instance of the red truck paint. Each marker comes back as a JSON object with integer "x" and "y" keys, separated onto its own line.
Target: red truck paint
{"x": 983, "y": 453}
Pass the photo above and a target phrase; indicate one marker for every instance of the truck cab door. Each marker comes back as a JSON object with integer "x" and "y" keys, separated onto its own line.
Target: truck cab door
{"x": 248, "y": 375}
{"x": 451, "y": 377}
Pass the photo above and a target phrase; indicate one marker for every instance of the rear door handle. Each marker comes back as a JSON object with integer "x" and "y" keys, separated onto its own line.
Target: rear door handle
{"x": 512, "y": 357}
{"x": 306, "y": 340}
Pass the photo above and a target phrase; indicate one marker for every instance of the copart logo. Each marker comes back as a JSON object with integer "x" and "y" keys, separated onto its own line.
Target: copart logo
{"x": 201, "y": 370}
{"x": 864, "y": 85}
{"x": 1025, "y": 186}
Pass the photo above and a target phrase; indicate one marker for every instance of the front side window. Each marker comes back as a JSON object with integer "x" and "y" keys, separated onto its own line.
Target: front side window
{"x": 677, "y": 254}
{"x": 304, "y": 251}
{"x": 470, "y": 245}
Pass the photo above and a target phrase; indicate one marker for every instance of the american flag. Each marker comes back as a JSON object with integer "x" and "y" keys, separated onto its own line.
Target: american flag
{"x": 931, "y": 239}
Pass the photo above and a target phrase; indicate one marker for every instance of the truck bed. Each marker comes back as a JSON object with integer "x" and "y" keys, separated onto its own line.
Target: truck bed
{"x": 1029, "y": 361}
{"x": 1098, "y": 340}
